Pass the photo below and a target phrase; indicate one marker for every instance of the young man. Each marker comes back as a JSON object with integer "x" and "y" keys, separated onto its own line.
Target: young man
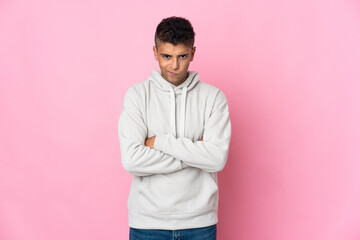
{"x": 174, "y": 133}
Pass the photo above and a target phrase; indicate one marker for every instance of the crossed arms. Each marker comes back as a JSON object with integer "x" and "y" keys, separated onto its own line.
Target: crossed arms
{"x": 149, "y": 142}
{"x": 142, "y": 156}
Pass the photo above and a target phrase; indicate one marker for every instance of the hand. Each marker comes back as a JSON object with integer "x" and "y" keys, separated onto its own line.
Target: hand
{"x": 149, "y": 142}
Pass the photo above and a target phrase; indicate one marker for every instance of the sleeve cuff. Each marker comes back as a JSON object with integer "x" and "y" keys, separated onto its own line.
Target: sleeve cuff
{"x": 161, "y": 141}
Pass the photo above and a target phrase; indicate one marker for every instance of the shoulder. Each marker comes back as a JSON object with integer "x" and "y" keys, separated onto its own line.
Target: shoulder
{"x": 136, "y": 94}
{"x": 215, "y": 93}
{"x": 207, "y": 87}
{"x": 137, "y": 88}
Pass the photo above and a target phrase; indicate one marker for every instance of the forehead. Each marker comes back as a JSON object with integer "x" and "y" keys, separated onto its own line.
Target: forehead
{"x": 169, "y": 48}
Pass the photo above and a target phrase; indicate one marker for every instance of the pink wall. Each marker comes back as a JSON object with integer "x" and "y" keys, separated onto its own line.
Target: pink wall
{"x": 290, "y": 70}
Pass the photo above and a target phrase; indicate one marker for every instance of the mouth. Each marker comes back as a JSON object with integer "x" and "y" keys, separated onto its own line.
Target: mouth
{"x": 171, "y": 73}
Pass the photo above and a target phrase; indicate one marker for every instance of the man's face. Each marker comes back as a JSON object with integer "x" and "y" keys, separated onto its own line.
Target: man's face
{"x": 174, "y": 61}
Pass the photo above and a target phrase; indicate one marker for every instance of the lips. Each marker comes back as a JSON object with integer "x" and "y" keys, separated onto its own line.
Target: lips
{"x": 171, "y": 73}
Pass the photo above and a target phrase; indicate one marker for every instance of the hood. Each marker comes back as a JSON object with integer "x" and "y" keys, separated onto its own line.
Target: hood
{"x": 173, "y": 90}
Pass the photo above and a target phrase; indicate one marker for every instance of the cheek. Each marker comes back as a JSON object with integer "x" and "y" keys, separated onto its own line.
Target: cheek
{"x": 185, "y": 64}
{"x": 163, "y": 64}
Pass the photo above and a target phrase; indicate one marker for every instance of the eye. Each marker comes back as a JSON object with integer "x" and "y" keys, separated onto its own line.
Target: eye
{"x": 166, "y": 56}
{"x": 183, "y": 56}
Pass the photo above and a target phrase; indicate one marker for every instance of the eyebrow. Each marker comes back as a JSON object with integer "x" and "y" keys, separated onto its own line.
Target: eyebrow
{"x": 165, "y": 54}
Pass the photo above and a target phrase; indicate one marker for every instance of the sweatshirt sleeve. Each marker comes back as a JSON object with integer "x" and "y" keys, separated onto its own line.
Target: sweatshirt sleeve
{"x": 136, "y": 158}
{"x": 210, "y": 154}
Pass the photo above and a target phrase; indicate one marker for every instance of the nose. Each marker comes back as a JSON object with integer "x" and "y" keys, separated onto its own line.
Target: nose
{"x": 175, "y": 64}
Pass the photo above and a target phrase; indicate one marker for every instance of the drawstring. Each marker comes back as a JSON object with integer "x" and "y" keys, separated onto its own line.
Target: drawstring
{"x": 182, "y": 113}
{"x": 173, "y": 112}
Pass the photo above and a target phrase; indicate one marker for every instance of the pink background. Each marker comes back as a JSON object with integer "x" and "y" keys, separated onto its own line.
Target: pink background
{"x": 290, "y": 71}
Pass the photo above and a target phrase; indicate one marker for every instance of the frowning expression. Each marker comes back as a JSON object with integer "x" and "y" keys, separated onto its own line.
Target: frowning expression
{"x": 174, "y": 61}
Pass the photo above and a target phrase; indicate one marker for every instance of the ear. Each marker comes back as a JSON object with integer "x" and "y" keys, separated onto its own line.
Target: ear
{"x": 155, "y": 53}
{"x": 193, "y": 53}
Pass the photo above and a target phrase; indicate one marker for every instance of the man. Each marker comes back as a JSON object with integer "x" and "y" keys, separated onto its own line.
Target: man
{"x": 174, "y": 133}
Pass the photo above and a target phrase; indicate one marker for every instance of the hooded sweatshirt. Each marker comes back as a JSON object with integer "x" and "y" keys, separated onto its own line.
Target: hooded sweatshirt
{"x": 174, "y": 185}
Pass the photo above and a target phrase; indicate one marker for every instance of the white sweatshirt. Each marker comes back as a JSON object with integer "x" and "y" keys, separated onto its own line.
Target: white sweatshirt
{"x": 174, "y": 185}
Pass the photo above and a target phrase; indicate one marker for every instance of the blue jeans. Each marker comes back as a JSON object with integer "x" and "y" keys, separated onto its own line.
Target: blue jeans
{"x": 204, "y": 233}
